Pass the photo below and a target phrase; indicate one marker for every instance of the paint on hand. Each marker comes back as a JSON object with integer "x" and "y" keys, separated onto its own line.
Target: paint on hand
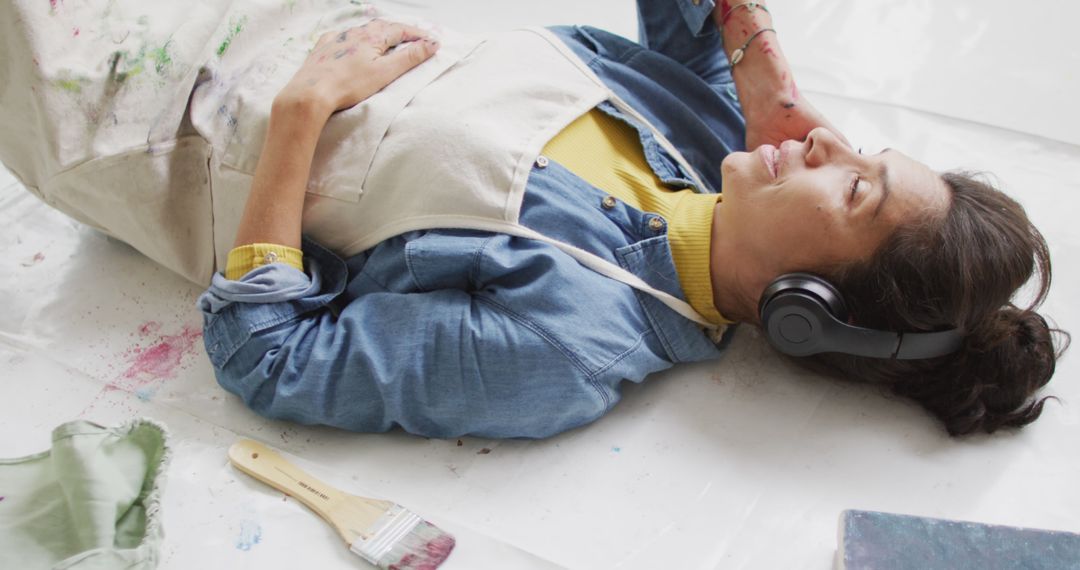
{"x": 235, "y": 27}
{"x": 250, "y": 535}
{"x": 1, "y": 498}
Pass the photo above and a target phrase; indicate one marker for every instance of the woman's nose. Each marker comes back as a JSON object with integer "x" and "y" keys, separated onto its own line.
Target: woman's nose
{"x": 823, "y": 146}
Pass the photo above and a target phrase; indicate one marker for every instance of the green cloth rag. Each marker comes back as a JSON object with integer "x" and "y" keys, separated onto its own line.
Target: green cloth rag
{"x": 89, "y": 503}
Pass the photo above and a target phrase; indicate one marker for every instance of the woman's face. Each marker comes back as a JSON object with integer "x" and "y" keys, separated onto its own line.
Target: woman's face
{"x": 810, "y": 205}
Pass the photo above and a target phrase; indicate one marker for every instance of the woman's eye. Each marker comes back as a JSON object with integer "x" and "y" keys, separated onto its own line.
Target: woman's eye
{"x": 854, "y": 187}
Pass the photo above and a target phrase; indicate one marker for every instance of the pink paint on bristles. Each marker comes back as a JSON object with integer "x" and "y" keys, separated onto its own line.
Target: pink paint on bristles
{"x": 425, "y": 548}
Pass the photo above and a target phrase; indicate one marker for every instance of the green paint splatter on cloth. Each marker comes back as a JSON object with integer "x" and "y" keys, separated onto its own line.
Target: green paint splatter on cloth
{"x": 70, "y": 85}
{"x": 161, "y": 57}
{"x": 235, "y": 27}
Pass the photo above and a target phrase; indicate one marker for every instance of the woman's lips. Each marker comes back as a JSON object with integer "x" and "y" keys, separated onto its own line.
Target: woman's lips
{"x": 770, "y": 156}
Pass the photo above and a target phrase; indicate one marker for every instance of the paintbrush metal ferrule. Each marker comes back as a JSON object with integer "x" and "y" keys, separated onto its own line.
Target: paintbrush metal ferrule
{"x": 396, "y": 523}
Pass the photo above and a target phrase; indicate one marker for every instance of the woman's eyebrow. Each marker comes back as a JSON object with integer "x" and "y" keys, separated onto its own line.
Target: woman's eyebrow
{"x": 883, "y": 175}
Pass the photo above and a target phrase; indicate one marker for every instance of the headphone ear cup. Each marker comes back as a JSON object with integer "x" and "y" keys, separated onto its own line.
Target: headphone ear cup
{"x": 795, "y": 323}
{"x": 797, "y": 310}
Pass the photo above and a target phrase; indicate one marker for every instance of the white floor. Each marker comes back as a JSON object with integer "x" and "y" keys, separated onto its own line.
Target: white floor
{"x": 741, "y": 463}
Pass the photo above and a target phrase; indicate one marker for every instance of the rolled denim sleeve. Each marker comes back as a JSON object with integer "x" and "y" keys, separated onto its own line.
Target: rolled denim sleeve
{"x": 443, "y": 363}
{"x": 683, "y": 30}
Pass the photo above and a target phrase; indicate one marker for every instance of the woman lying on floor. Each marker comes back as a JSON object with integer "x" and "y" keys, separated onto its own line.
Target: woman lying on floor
{"x": 619, "y": 258}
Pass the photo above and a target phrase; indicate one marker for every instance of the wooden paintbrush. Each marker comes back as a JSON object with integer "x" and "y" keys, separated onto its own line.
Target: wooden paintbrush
{"x": 381, "y": 532}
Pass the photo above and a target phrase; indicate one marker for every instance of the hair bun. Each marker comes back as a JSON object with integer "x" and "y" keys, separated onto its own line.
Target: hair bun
{"x": 1002, "y": 363}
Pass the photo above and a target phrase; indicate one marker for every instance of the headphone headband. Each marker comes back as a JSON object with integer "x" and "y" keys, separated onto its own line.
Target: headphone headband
{"x": 803, "y": 314}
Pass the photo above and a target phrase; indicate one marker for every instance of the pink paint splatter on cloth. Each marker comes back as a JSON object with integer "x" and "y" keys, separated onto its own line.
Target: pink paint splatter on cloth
{"x": 38, "y": 258}
{"x": 162, "y": 360}
{"x": 149, "y": 327}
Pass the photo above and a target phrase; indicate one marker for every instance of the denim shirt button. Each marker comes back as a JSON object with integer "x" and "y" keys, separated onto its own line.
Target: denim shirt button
{"x": 542, "y": 161}
{"x": 271, "y": 257}
{"x": 656, "y": 224}
{"x": 608, "y": 202}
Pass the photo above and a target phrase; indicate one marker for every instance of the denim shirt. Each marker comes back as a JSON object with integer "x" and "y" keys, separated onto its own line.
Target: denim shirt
{"x": 448, "y": 332}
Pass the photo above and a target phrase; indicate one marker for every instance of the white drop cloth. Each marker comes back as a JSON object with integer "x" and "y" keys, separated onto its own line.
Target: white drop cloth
{"x": 741, "y": 463}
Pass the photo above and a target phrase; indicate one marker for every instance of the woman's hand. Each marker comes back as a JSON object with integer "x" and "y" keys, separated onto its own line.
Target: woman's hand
{"x": 781, "y": 113}
{"x": 775, "y": 111}
{"x": 346, "y": 67}
{"x": 342, "y": 69}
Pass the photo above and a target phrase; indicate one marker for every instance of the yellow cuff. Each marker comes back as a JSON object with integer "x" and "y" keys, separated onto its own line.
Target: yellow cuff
{"x": 247, "y": 257}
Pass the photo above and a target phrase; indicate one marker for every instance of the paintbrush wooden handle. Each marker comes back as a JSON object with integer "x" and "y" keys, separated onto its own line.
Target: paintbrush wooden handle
{"x": 271, "y": 468}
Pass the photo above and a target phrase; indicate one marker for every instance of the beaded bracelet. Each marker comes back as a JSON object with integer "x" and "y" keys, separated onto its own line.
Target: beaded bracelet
{"x": 737, "y": 55}
{"x": 750, "y": 6}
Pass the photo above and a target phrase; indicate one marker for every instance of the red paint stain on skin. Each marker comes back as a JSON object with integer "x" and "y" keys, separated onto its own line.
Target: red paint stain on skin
{"x": 767, "y": 49}
{"x": 162, "y": 360}
{"x": 53, "y": 3}
{"x": 75, "y": 33}
{"x": 149, "y": 327}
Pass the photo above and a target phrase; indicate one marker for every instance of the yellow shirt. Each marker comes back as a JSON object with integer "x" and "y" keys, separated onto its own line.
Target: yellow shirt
{"x": 606, "y": 153}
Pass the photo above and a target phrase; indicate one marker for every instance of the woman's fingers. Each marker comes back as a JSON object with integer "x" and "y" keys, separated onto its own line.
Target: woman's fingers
{"x": 408, "y": 56}
{"x": 348, "y": 66}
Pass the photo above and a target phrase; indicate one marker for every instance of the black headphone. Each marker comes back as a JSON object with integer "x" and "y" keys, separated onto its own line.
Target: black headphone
{"x": 803, "y": 314}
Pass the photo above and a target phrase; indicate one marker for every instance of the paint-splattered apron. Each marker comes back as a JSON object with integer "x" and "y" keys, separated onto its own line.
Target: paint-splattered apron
{"x": 146, "y": 120}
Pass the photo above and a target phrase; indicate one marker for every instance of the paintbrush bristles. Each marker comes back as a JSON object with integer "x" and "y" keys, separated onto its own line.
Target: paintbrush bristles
{"x": 404, "y": 541}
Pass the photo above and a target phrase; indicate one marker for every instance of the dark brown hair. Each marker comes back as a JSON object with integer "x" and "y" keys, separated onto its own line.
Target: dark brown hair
{"x": 959, "y": 270}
